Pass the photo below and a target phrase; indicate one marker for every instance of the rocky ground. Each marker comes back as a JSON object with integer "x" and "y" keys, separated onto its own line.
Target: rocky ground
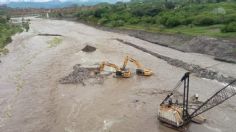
{"x": 220, "y": 49}
{"x": 33, "y": 96}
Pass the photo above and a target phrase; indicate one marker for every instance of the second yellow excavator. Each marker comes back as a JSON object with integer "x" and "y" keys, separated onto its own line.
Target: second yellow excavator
{"x": 140, "y": 70}
{"x": 119, "y": 72}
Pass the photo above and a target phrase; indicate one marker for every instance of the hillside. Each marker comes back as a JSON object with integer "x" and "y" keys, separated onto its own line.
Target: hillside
{"x": 57, "y": 4}
{"x": 188, "y": 27}
{"x": 211, "y": 19}
{"x": 47, "y": 5}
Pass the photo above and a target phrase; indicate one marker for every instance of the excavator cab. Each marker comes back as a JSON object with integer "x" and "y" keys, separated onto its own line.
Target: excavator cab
{"x": 124, "y": 74}
{"x": 139, "y": 71}
{"x": 144, "y": 72}
{"x": 119, "y": 72}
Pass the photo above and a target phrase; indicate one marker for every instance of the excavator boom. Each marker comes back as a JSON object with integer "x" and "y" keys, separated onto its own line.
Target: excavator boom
{"x": 103, "y": 64}
{"x": 125, "y": 62}
{"x": 139, "y": 71}
{"x": 139, "y": 66}
{"x": 119, "y": 71}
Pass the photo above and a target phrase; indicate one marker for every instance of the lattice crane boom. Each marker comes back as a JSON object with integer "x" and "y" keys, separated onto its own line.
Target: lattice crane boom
{"x": 219, "y": 97}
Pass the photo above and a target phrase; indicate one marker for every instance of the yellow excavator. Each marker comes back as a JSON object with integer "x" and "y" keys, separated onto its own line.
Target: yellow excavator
{"x": 119, "y": 72}
{"x": 139, "y": 71}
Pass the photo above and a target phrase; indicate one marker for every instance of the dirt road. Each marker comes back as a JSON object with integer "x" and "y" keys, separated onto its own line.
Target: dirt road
{"x": 33, "y": 100}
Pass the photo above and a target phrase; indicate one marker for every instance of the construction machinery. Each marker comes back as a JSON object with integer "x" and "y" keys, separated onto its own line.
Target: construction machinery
{"x": 140, "y": 70}
{"x": 179, "y": 114}
{"x": 118, "y": 71}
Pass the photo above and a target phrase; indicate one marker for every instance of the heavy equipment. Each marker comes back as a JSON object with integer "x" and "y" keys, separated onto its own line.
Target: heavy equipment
{"x": 119, "y": 72}
{"x": 179, "y": 114}
{"x": 139, "y": 71}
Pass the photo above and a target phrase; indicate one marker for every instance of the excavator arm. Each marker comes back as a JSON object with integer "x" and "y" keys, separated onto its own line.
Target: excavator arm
{"x": 139, "y": 66}
{"x": 119, "y": 71}
{"x": 103, "y": 64}
{"x": 125, "y": 62}
{"x": 139, "y": 70}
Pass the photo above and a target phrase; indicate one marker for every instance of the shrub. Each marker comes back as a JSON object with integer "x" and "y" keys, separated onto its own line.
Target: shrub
{"x": 187, "y": 21}
{"x": 148, "y": 20}
{"x": 204, "y": 20}
{"x": 103, "y": 21}
{"x": 153, "y": 11}
{"x": 4, "y": 51}
{"x": 163, "y": 20}
{"x": 133, "y": 20}
{"x": 170, "y": 5}
{"x": 98, "y": 13}
{"x": 138, "y": 12}
{"x": 8, "y": 40}
{"x": 231, "y": 27}
{"x": 3, "y": 20}
{"x": 117, "y": 23}
{"x": 26, "y": 26}
{"x": 172, "y": 22}
{"x": 229, "y": 18}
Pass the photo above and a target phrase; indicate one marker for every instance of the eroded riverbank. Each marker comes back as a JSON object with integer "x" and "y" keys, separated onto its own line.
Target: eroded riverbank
{"x": 32, "y": 99}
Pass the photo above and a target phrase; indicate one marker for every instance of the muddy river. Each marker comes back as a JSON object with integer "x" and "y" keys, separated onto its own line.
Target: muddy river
{"x": 33, "y": 100}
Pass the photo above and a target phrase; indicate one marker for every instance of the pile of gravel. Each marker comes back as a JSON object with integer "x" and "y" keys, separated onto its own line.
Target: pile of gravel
{"x": 89, "y": 48}
{"x": 81, "y": 74}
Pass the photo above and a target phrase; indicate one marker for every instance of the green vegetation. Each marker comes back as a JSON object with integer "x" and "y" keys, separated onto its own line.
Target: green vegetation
{"x": 7, "y": 29}
{"x": 231, "y": 27}
{"x": 197, "y": 17}
{"x": 54, "y": 42}
{"x": 3, "y": 51}
{"x": 26, "y": 26}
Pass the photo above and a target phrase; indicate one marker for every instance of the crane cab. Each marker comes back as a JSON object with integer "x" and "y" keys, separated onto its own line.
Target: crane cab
{"x": 171, "y": 114}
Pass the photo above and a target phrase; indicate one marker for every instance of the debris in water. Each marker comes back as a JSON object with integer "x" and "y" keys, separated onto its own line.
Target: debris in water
{"x": 81, "y": 74}
{"x": 89, "y": 48}
{"x": 47, "y": 34}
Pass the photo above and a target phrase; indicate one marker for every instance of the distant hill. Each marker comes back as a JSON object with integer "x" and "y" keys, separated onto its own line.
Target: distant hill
{"x": 57, "y": 3}
{"x": 50, "y": 4}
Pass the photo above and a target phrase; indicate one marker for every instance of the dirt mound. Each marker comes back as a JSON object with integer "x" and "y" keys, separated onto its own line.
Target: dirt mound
{"x": 80, "y": 75}
{"x": 222, "y": 50}
{"x": 89, "y": 48}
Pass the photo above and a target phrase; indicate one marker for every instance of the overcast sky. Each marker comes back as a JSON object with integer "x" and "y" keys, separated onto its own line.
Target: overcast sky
{"x": 3, "y": 1}
{"x": 28, "y": 0}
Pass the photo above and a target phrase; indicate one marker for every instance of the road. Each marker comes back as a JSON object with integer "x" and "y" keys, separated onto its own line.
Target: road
{"x": 33, "y": 100}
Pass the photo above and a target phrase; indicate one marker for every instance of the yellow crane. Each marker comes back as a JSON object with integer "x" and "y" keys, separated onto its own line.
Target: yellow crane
{"x": 119, "y": 72}
{"x": 140, "y": 70}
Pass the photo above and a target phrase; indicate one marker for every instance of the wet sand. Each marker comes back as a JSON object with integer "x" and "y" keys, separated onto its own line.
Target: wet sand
{"x": 32, "y": 99}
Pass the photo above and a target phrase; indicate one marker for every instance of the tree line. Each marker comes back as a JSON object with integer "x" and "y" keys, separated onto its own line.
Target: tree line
{"x": 163, "y": 13}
